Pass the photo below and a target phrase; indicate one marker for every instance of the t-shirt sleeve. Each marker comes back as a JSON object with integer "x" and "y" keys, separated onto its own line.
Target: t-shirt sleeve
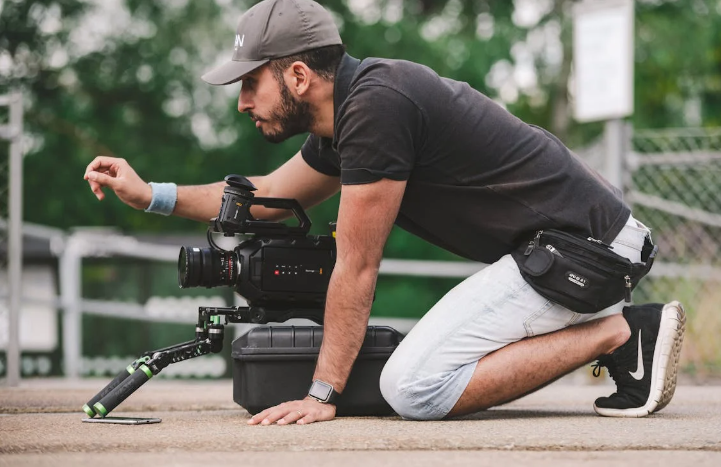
{"x": 311, "y": 155}
{"x": 378, "y": 134}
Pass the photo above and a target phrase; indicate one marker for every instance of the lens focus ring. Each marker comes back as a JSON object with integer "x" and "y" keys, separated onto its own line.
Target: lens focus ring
{"x": 205, "y": 267}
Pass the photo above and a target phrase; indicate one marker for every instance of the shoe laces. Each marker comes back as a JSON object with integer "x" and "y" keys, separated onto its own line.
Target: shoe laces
{"x": 605, "y": 361}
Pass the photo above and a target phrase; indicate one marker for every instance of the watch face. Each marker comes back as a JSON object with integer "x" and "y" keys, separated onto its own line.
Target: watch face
{"x": 320, "y": 390}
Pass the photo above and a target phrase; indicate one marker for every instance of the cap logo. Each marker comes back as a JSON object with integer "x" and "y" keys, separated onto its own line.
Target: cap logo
{"x": 239, "y": 40}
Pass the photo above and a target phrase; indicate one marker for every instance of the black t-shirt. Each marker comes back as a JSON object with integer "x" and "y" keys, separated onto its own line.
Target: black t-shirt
{"x": 479, "y": 180}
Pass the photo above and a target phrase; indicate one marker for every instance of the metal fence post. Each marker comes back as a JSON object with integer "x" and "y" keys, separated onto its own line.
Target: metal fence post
{"x": 615, "y": 142}
{"x": 70, "y": 290}
{"x": 13, "y": 132}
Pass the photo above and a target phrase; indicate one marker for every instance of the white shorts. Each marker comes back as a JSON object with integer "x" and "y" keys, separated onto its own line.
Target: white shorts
{"x": 428, "y": 372}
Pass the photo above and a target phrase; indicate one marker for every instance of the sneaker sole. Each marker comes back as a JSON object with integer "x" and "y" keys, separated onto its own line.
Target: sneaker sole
{"x": 665, "y": 365}
{"x": 677, "y": 325}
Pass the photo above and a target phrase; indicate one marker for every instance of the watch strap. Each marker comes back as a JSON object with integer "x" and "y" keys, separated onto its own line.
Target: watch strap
{"x": 333, "y": 398}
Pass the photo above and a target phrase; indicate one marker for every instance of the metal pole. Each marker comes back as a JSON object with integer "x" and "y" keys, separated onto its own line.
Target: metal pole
{"x": 615, "y": 143}
{"x": 70, "y": 291}
{"x": 15, "y": 239}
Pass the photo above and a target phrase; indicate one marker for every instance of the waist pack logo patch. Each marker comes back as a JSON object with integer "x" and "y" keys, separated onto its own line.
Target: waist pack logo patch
{"x": 577, "y": 279}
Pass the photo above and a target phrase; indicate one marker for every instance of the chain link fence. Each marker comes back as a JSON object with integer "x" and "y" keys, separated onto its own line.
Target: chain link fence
{"x": 673, "y": 183}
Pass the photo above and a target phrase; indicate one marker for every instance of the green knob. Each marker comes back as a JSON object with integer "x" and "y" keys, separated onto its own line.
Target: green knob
{"x": 100, "y": 410}
{"x": 89, "y": 411}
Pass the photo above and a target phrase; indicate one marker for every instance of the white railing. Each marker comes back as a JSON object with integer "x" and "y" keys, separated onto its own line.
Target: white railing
{"x": 13, "y": 132}
{"x": 83, "y": 244}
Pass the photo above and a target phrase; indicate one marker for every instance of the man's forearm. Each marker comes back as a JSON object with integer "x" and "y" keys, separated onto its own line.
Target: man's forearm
{"x": 348, "y": 305}
{"x": 199, "y": 202}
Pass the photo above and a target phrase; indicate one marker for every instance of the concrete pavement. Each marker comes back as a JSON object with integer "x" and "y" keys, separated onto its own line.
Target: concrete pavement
{"x": 40, "y": 424}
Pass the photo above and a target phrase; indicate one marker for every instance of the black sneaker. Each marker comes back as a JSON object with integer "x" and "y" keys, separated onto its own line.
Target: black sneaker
{"x": 645, "y": 367}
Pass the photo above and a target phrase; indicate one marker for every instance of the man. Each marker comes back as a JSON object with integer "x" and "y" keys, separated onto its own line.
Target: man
{"x": 443, "y": 161}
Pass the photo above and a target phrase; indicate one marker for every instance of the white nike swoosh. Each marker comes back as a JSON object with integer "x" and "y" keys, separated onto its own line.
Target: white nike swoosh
{"x": 638, "y": 374}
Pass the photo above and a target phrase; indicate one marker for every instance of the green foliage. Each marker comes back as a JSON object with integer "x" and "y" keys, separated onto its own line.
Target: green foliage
{"x": 678, "y": 63}
{"x": 129, "y": 86}
{"x": 122, "y": 78}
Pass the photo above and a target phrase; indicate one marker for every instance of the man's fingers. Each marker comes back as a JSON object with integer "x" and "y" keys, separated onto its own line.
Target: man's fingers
{"x": 281, "y": 414}
{"x": 259, "y": 417}
{"x": 95, "y": 165}
{"x": 293, "y": 416}
{"x": 101, "y": 162}
{"x": 274, "y": 416}
{"x": 95, "y": 188}
{"x": 253, "y": 420}
{"x": 300, "y": 412}
{"x": 305, "y": 419}
{"x": 102, "y": 179}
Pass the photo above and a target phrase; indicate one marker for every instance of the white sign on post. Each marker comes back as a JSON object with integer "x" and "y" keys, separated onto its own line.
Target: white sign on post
{"x": 603, "y": 59}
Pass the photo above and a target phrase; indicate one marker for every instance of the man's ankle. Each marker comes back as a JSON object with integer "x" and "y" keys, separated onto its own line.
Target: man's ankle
{"x": 621, "y": 334}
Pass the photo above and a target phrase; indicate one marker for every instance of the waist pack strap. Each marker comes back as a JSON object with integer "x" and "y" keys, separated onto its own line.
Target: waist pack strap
{"x": 650, "y": 256}
{"x": 649, "y": 250}
{"x": 638, "y": 270}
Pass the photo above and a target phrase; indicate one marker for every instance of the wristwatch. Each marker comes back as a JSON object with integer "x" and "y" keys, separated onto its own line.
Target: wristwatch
{"x": 323, "y": 392}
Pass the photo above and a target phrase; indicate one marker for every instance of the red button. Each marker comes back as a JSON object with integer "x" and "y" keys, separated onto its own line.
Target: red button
{"x": 277, "y": 273}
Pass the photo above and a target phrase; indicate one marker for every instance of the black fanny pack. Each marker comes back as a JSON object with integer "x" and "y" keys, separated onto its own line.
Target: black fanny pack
{"x": 580, "y": 273}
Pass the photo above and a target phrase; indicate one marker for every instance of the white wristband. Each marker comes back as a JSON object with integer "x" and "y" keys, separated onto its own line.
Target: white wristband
{"x": 165, "y": 195}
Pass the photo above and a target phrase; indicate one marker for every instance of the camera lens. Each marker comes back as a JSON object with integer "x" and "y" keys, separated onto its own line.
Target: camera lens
{"x": 205, "y": 267}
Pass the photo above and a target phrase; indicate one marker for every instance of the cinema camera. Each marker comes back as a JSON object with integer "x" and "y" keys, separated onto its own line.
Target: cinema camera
{"x": 280, "y": 270}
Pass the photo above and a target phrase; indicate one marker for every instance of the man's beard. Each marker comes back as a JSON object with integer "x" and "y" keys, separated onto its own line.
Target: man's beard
{"x": 294, "y": 117}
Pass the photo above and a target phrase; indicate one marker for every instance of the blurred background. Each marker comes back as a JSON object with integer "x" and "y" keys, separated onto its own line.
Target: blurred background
{"x": 121, "y": 78}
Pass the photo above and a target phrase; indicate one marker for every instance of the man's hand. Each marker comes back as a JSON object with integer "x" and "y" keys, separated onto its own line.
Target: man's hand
{"x": 121, "y": 178}
{"x": 302, "y": 412}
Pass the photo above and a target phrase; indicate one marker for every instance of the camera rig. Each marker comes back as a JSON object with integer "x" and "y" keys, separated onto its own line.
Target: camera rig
{"x": 280, "y": 270}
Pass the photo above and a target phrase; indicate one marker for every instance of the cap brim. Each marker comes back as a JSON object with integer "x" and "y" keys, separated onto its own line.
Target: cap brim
{"x": 230, "y": 72}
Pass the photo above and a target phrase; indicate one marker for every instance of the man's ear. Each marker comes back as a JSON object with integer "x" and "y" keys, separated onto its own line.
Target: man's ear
{"x": 300, "y": 78}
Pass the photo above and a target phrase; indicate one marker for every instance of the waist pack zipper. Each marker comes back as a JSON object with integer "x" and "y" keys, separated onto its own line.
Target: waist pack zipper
{"x": 533, "y": 243}
{"x": 536, "y": 241}
{"x": 579, "y": 254}
{"x": 569, "y": 242}
{"x": 591, "y": 239}
{"x": 629, "y": 286}
{"x": 589, "y": 242}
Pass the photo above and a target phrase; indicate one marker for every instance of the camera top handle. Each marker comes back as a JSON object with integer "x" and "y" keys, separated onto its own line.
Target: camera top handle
{"x": 235, "y": 217}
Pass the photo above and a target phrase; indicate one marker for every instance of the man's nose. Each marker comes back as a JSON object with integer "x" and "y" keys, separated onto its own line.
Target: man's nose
{"x": 244, "y": 102}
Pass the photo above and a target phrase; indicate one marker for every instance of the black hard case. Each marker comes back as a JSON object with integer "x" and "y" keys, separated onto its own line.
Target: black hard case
{"x": 275, "y": 364}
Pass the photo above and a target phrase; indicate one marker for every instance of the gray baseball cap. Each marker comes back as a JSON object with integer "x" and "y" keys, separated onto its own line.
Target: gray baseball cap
{"x": 273, "y": 29}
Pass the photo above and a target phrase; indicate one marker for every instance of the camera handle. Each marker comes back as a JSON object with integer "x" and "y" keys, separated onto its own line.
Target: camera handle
{"x": 119, "y": 378}
{"x": 209, "y": 334}
{"x": 273, "y": 228}
{"x": 235, "y": 217}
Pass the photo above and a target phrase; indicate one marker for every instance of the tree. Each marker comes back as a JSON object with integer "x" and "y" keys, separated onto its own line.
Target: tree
{"x": 122, "y": 78}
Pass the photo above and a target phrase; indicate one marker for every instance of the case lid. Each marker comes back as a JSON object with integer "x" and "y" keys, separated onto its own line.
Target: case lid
{"x": 306, "y": 340}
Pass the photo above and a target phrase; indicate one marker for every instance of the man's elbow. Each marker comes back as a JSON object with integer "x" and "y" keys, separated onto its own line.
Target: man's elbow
{"x": 358, "y": 265}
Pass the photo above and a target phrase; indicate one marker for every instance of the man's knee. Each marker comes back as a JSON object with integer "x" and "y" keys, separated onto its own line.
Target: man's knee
{"x": 399, "y": 394}
{"x": 412, "y": 398}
